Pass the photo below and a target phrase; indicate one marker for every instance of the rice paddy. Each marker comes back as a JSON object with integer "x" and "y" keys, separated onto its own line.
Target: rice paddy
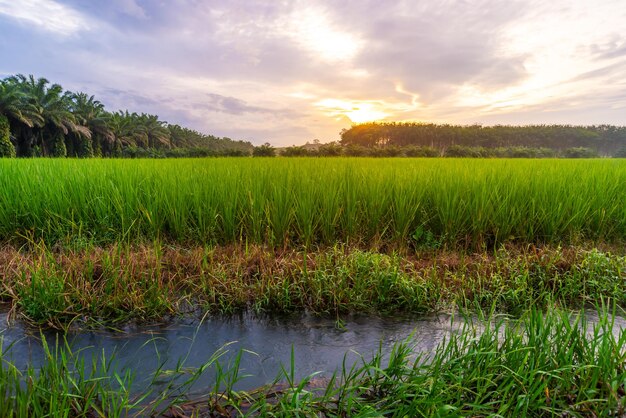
{"x": 305, "y": 201}
{"x": 87, "y": 243}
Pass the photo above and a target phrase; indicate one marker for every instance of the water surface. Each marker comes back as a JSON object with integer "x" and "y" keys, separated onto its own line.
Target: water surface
{"x": 318, "y": 344}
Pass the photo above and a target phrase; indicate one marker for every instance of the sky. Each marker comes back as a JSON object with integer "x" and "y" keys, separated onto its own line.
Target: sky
{"x": 288, "y": 72}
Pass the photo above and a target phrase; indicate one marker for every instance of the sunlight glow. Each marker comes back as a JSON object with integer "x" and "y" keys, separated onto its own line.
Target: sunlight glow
{"x": 357, "y": 112}
{"x": 559, "y": 67}
{"x": 312, "y": 30}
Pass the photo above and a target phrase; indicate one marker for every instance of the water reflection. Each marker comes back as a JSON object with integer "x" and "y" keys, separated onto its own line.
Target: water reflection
{"x": 319, "y": 344}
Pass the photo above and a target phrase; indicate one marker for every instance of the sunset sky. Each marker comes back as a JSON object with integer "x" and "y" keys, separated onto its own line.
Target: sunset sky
{"x": 288, "y": 72}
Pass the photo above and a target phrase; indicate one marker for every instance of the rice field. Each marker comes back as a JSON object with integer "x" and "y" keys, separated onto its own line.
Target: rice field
{"x": 421, "y": 203}
{"x": 103, "y": 242}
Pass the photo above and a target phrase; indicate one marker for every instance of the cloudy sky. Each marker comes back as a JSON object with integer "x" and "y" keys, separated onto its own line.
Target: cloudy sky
{"x": 288, "y": 72}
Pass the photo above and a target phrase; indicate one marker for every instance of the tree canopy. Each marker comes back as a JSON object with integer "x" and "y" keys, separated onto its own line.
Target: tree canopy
{"x": 38, "y": 118}
{"x": 604, "y": 139}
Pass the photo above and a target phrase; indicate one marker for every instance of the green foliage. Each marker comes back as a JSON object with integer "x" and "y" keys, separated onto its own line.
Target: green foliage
{"x": 58, "y": 146}
{"x": 621, "y": 153}
{"x": 331, "y": 149}
{"x": 85, "y": 149}
{"x": 426, "y": 240}
{"x": 541, "y": 365}
{"x": 6, "y": 146}
{"x": 265, "y": 150}
{"x": 354, "y": 150}
{"x": 48, "y": 121}
{"x": 457, "y": 151}
{"x": 461, "y": 151}
{"x": 603, "y": 139}
{"x": 412, "y": 151}
{"x": 315, "y": 201}
{"x": 200, "y": 145}
{"x": 71, "y": 384}
{"x": 42, "y": 296}
{"x": 525, "y": 152}
{"x": 580, "y": 152}
{"x": 64, "y": 386}
{"x": 295, "y": 152}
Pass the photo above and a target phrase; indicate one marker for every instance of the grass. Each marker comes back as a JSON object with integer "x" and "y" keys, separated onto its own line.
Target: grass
{"x": 144, "y": 283}
{"x": 303, "y": 202}
{"x": 63, "y": 387}
{"x": 106, "y": 241}
{"x": 70, "y": 385}
{"x": 554, "y": 364}
{"x": 551, "y": 364}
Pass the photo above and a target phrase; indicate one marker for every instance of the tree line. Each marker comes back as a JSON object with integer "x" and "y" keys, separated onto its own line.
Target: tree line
{"x": 335, "y": 149}
{"x": 38, "y": 118}
{"x": 601, "y": 139}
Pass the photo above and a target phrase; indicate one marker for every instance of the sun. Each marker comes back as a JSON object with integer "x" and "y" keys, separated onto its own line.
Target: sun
{"x": 356, "y": 111}
{"x": 365, "y": 113}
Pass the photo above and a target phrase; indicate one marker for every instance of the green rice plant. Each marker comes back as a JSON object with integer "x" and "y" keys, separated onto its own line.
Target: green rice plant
{"x": 406, "y": 200}
{"x": 306, "y": 208}
{"x": 304, "y": 201}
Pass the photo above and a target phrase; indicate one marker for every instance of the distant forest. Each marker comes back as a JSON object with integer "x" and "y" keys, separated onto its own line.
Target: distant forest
{"x": 607, "y": 140}
{"x": 41, "y": 119}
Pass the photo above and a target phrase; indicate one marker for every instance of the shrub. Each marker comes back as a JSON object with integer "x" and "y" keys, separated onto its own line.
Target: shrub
{"x": 6, "y": 146}
{"x": 421, "y": 152}
{"x": 331, "y": 149}
{"x": 580, "y": 152}
{"x": 265, "y": 150}
{"x": 295, "y": 152}
{"x": 461, "y": 151}
{"x": 621, "y": 153}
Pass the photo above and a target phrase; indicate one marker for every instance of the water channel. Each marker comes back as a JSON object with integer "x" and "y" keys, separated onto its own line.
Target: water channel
{"x": 319, "y": 344}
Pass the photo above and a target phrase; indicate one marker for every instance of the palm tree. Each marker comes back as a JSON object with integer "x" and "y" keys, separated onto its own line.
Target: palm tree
{"x": 128, "y": 132}
{"x": 55, "y": 118}
{"x": 90, "y": 113}
{"x": 158, "y": 134}
{"x": 14, "y": 111}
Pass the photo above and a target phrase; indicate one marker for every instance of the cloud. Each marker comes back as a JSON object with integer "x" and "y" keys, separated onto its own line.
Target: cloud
{"x": 46, "y": 15}
{"x": 615, "y": 48}
{"x": 131, "y": 8}
{"x": 132, "y": 99}
{"x": 607, "y": 73}
{"x": 295, "y": 70}
{"x": 232, "y": 105}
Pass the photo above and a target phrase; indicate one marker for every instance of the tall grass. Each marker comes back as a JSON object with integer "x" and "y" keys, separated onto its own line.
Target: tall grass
{"x": 147, "y": 283}
{"x": 551, "y": 364}
{"x": 554, "y": 364}
{"x": 312, "y": 201}
{"x": 65, "y": 386}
